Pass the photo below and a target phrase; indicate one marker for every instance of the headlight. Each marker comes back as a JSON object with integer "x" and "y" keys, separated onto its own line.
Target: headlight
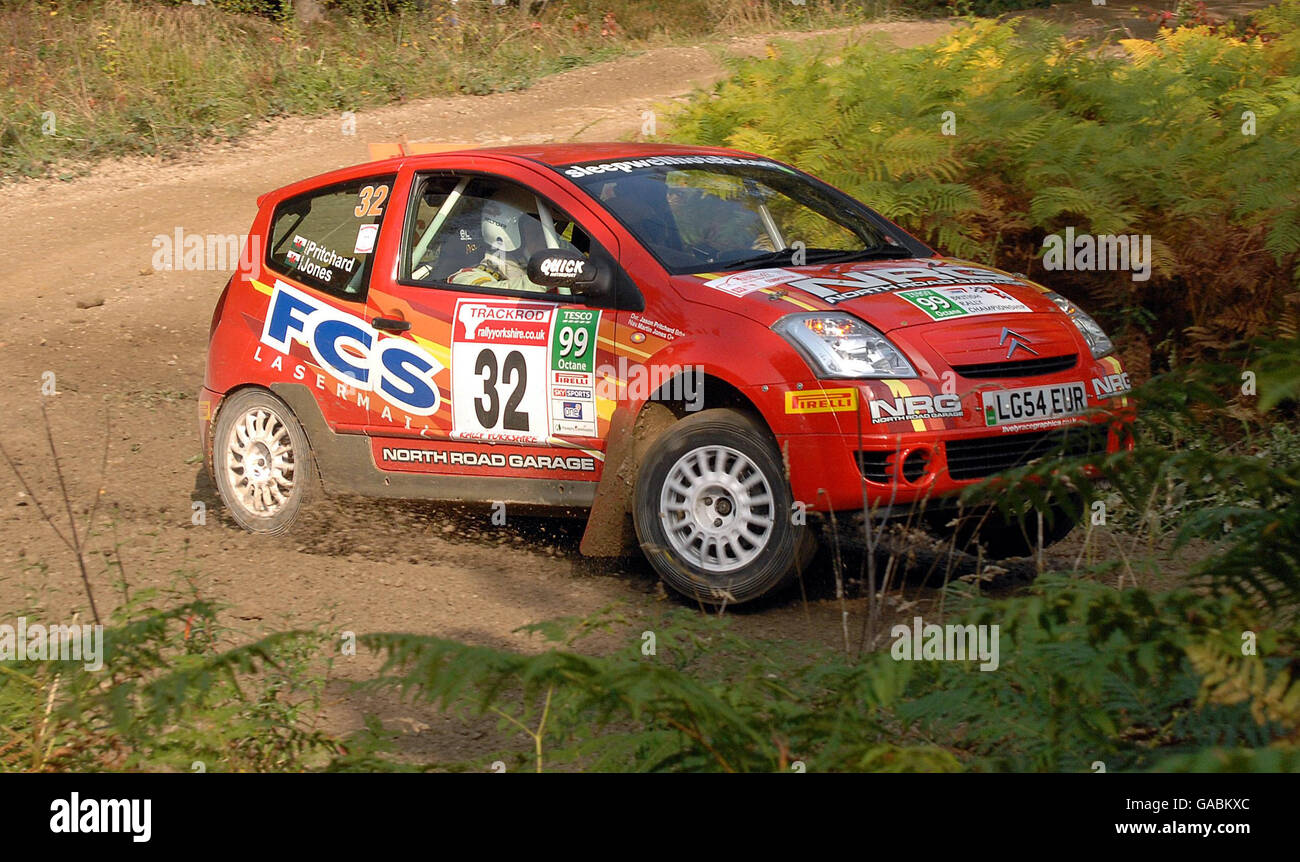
{"x": 836, "y": 344}
{"x": 1098, "y": 341}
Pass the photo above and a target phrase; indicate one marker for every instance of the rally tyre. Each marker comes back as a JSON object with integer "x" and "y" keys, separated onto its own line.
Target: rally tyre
{"x": 713, "y": 510}
{"x": 263, "y": 463}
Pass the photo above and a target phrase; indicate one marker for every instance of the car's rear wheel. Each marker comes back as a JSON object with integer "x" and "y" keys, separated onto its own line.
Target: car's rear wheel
{"x": 713, "y": 510}
{"x": 263, "y": 462}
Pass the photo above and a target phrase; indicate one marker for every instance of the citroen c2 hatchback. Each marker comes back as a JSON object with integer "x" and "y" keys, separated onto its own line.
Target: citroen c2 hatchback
{"x": 693, "y": 344}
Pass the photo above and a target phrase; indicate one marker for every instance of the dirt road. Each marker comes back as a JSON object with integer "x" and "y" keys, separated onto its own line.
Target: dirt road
{"x": 126, "y": 347}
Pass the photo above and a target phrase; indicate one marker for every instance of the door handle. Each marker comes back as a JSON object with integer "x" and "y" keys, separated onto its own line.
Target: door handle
{"x": 388, "y": 324}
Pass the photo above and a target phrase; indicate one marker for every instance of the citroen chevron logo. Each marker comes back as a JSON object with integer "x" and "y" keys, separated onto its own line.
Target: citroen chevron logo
{"x": 1017, "y": 340}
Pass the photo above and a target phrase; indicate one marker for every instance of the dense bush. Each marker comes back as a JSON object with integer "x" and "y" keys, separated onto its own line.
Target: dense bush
{"x": 1191, "y": 139}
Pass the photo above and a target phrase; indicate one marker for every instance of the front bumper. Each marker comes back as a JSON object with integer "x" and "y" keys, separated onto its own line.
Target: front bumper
{"x": 840, "y": 459}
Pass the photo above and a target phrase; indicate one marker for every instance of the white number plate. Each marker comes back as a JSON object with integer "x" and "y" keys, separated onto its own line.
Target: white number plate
{"x": 1011, "y": 406}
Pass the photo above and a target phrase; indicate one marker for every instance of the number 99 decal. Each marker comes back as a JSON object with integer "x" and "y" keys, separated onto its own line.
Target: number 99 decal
{"x": 574, "y": 342}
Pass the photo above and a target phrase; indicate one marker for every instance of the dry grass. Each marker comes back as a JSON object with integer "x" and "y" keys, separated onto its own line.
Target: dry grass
{"x": 88, "y": 80}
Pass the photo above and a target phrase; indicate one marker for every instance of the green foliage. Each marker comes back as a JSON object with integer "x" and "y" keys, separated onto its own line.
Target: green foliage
{"x": 166, "y": 697}
{"x": 709, "y": 700}
{"x": 1207, "y": 471}
{"x": 1047, "y": 133}
{"x": 1088, "y": 673}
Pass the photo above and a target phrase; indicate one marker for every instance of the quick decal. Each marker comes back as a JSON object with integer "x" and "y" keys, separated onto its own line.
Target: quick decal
{"x": 915, "y": 407}
{"x": 562, "y": 266}
{"x": 352, "y": 351}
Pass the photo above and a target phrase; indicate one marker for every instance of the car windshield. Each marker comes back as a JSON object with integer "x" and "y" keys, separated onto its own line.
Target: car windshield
{"x": 717, "y": 213}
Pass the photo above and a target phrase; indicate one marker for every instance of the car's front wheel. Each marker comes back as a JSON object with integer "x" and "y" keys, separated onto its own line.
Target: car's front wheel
{"x": 262, "y": 462}
{"x": 713, "y": 510}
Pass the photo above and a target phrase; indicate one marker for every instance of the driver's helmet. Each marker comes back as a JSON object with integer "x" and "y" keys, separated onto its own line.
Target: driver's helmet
{"x": 502, "y": 219}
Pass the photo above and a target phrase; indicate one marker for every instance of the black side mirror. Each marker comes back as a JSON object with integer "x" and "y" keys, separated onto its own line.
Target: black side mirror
{"x": 558, "y": 267}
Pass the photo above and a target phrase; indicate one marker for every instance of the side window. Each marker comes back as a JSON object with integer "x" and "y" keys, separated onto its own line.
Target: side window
{"x": 326, "y": 238}
{"x": 480, "y": 231}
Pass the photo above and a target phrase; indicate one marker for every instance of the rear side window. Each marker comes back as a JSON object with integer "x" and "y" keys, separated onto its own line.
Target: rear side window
{"x": 326, "y": 238}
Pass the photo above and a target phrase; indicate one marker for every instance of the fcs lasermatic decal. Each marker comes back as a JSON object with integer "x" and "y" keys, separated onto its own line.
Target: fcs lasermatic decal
{"x": 352, "y": 351}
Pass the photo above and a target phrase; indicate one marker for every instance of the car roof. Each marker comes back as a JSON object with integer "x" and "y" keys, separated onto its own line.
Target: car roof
{"x": 552, "y": 155}
{"x": 556, "y": 155}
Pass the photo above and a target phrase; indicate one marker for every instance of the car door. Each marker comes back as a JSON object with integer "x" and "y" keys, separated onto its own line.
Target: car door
{"x": 521, "y": 367}
{"x": 320, "y": 261}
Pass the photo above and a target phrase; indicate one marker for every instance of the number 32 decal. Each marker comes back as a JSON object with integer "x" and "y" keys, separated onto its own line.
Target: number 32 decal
{"x": 371, "y": 202}
{"x": 514, "y": 370}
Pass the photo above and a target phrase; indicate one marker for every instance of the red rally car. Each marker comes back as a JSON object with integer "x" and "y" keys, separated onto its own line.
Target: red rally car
{"x": 696, "y": 344}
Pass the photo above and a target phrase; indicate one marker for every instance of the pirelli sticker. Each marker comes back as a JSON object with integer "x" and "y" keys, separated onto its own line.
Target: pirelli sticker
{"x": 824, "y": 401}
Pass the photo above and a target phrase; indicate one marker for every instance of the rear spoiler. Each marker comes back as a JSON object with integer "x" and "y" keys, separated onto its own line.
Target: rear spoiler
{"x": 403, "y": 147}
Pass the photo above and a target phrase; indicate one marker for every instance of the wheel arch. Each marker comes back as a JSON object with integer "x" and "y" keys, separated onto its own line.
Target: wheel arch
{"x": 634, "y": 428}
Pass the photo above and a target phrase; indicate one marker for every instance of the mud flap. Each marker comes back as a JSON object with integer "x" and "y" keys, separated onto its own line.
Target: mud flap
{"x": 609, "y": 530}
